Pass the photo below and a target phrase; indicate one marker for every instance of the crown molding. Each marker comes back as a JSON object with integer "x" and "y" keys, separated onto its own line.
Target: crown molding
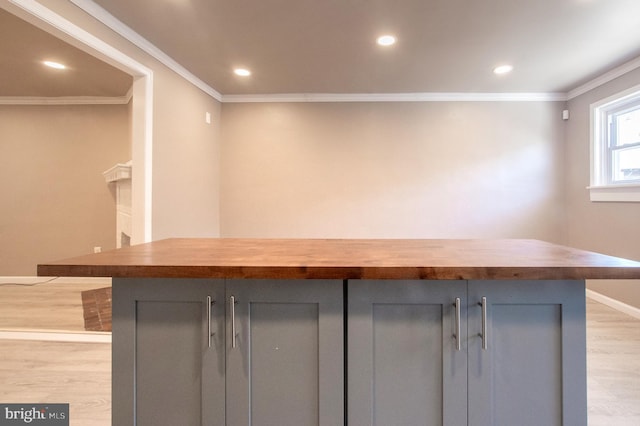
{"x": 604, "y": 78}
{"x": 129, "y": 34}
{"x": 65, "y": 100}
{"x": 398, "y": 97}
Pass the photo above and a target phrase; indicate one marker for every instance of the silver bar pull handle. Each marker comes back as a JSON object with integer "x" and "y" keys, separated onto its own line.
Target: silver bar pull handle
{"x": 458, "y": 326}
{"x": 209, "y": 302}
{"x": 232, "y": 302}
{"x": 485, "y": 337}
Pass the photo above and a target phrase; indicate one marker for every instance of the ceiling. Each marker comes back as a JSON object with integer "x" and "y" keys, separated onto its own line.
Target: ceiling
{"x": 328, "y": 46}
{"x": 24, "y": 48}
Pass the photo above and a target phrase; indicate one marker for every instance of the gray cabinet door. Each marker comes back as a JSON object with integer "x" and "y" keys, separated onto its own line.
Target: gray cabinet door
{"x": 532, "y": 369}
{"x": 404, "y": 364}
{"x": 285, "y": 359}
{"x": 166, "y": 371}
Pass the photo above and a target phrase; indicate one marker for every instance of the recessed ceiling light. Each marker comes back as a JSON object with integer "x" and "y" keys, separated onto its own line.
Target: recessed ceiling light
{"x": 386, "y": 40}
{"x": 55, "y": 65}
{"x": 502, "y": 69}
{"x": 242, "y": 72}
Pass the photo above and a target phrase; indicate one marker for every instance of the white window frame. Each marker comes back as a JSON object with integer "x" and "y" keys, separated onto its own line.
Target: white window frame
{"x": 601, "y": 187}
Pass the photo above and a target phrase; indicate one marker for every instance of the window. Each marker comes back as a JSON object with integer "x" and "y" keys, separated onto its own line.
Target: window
{"x": 615, "y": 148}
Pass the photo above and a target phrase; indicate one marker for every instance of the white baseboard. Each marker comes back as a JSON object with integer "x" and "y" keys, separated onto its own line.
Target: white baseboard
{"x": 58, "y": 280}
{"x": 613, "y": 303}
{"x": 56, "y": 336}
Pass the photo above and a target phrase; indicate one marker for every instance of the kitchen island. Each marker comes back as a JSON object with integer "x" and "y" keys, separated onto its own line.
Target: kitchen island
{"x": 361, "y": 332}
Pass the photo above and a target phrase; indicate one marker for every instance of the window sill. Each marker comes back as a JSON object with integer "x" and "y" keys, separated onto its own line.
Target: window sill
{"x": 629, "y": 193}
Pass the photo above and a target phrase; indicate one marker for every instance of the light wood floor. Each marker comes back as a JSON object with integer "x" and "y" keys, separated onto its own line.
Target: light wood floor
{"x": 52, "y": 305}
{"x": 59, "y": 372}
{"x": 80, "y": 373}
{"x": 613, "y": 365}
{"x": 50, "y": 371}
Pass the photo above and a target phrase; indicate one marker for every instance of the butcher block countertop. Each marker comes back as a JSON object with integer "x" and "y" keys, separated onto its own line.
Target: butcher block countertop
{"x": 347, "y": 259}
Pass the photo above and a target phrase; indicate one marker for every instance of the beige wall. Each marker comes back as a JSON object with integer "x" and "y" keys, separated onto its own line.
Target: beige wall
{"x": 185, "y": 157}
{"x": 185, "y": 149}
{"x": 405, "y": 170}
{"x": 611, "y": 228}
{"x": 375, "y": 170}
{"x": 55, "y": 201}
{"x": 185, "y": 161}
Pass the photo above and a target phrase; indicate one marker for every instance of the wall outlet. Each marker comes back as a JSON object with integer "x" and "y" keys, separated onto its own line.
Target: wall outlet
{"x": 97, "y": 249}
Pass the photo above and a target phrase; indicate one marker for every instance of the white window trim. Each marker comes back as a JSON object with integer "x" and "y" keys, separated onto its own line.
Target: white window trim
{"x": 599, "y": 189}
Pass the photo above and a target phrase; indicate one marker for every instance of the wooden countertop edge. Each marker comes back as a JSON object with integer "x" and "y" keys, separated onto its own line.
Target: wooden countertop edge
{"x": 311, "y": 272}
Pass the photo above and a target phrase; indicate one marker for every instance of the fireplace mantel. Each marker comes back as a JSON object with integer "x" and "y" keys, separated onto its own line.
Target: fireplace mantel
{"x": 120, "y": 176}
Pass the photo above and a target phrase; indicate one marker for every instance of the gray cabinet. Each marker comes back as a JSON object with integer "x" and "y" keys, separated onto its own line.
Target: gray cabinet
{"x": 273, "y": 357}
{"x": 167, "y": 374}
{"x": 521, "y": 358}
{"x": 198, "y": 352}
{"x": 404, "y": 364}
{"x": 531, "y": 370}
{"x": 286, "y": 366}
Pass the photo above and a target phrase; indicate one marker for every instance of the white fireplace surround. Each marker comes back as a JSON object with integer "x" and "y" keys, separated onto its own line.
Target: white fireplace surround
{"x": 120, "y": 176}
